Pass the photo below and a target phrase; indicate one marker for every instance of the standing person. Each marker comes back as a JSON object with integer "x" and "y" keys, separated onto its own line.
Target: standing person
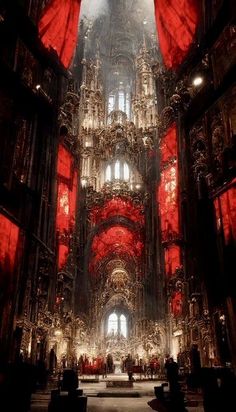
{"x": 52, "y": 361}
{"x": 195, "y": 366}
{"x": 129, "y": 367}
{"x": 172, "y": 373}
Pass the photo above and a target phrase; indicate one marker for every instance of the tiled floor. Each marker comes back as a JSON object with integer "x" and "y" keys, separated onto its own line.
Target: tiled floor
{"x": 117, "y": 403}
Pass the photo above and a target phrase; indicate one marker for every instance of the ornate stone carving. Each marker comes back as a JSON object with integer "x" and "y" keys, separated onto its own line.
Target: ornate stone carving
{"x": 166, "y": 119}
{"x": 69, "y": 117}
{"x": 199, "y": 149}
{"x": 143, "y": 102}
{"x": 218, "y": 141}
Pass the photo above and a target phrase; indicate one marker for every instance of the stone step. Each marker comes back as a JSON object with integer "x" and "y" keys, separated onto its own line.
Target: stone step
{"x": 119, "y": 384}
{"x": 118, "y": 394}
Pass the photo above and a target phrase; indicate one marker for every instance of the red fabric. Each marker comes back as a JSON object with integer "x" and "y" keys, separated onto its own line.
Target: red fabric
{"x": 9, "y": 234}
{"x": 167, "y": 190}
{"x": 225, "y": 209}
{"x": 176, "y": 22}
{"x": 9, "y": 241}
{"x": 168, "y": 145}
{"x": 118, "y": 207}
{"x": 172, "y": 259}
{"x": 63, "y": 252}
{"x": 66, "y": 206}
{"x": 116, "y": 239}
{"x": 63, "y": 208}
{"x": 64, "y": 162}
{"x": 67, "y": 178}
{"x": 167, "y": 196}
{"x": 73, "y": 199}
{"x": 67, "y": 190}
{"x": 58, "y": 28}
{"x": 177, "y": 304}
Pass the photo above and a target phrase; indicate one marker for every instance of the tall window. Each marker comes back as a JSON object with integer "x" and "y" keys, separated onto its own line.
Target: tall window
{"x": 117, "y": 324}
{"x": 126, "y": 171}
{"x": 121, "y": 101}
{"x": 112, "y": 323}
{"x": 111, "y": 103}
{"x": 127, "y": 106}
{"x": 123, "y": 326}
{"x": 117, "y": 170}
{"x": 108, "y": 173}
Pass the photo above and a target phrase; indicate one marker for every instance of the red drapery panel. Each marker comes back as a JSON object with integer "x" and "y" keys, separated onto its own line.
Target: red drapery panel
{"x": 168, "y": 201}
{"x": 177, "y": 304}
{"x": 225, "y": 209}
{"x": 9, "y": 241}
{"x": 176, "y": 22}
{"x": 66, "y": 206}
{"x": 172, "y": 259}
{"x": 167, "y": 191}
{"x": 63, "y": 208}
{"x": 67, "y": 178}
{"x": 63, "y": 251}
{"x": 58, "y": 28}
{"x": 9, "y": 234}
{"x": 64, "y": 162}
{"x": 73, "y": 197}
{"x": 67, "y": 190}
{"x": 168, "y": 146}
{"x": 167, "y": 197}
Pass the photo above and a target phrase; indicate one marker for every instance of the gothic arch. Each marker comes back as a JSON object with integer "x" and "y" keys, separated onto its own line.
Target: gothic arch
{"x": 113, "y": 221}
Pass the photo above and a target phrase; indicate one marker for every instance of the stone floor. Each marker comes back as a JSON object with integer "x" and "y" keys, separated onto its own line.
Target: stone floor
{"x": 100, "y": 398}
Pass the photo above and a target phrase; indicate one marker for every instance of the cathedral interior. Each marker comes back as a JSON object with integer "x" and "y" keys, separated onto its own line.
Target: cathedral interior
{"x": 118, "y": 180}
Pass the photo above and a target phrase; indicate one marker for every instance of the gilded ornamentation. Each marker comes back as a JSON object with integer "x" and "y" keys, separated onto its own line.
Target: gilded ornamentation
{"x": 199, "y": 149}
{"x": 218, "y": 141}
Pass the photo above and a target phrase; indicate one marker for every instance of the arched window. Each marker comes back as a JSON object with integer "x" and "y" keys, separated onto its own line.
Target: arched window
{"x": 123, "y": 326}
{"x": 108, "y": 173}
{"x": 127, "y": 106}
{"x": 111, "y": 103}
{"x": 121, "y": 101}
{"x": 117, "y": 324}
{"x": 126, "y": 171}
{"x": 117, "y": 170}
{"x": 112, "y": 323}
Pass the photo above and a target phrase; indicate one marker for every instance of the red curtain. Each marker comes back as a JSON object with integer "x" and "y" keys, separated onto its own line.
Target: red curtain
{"x": 176, "y": 22}
{"x": 63, "y": 252}
{"x": 172, "y": 259}
{"x": 67, "y": 178}
{"x": 167, "y": 190}
{"x": 63, "y": 208}
{"x": 58, "y": 28}
{"x": 9, "y": 240}
{"x": 225, "y": 209}
{"x": 168, "y": 203}
{"x": 168, "y": 146}
{"x": 177, "y": 304}
{"x": 64, "y": 162}
{"x": 9, "y": 234}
